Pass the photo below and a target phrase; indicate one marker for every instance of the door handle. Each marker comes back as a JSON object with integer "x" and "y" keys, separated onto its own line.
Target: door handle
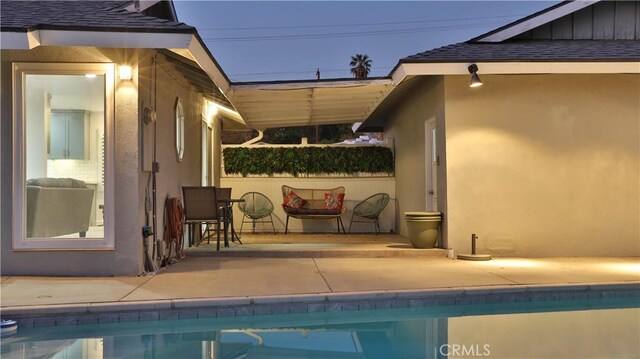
{"x": 431, "y": 192}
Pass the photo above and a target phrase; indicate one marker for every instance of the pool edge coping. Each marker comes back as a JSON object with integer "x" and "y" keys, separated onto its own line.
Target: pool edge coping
{"x": 100, "y": 308}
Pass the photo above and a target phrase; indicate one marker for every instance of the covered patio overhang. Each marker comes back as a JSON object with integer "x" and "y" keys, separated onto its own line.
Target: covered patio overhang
{"x": 302, "y": 103}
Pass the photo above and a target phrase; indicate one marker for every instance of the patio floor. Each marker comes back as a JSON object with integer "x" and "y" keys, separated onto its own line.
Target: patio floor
{"x": 324, "y": 269}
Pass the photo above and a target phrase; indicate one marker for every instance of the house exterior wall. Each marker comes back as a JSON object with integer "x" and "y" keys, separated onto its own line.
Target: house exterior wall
{"x": 130, "y": 180}
{"x": 407, "y": 125}
{"x": 126, "y": 258}
{"x": 160, "y": 86}
{"x": 544, "y": 165}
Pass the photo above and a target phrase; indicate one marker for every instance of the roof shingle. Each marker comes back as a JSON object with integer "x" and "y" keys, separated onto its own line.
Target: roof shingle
{"x": 532, "y": 50}
{"x": 81, "y": 15}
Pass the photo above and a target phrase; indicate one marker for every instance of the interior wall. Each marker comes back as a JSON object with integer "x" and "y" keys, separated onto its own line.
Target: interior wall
{"x": 407, "y": 125}
{"x": 36, "y": 136}
{"x": 126, "y": 259}
{"x": 544, "y": 165}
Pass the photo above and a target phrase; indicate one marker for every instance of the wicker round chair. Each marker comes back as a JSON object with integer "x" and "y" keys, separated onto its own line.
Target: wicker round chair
{"x": 255, "y": 209}
{"x": 370, "y": 208}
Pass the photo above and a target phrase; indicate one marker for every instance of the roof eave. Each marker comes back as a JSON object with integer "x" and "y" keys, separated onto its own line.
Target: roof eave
{"x": 186, "y": 43}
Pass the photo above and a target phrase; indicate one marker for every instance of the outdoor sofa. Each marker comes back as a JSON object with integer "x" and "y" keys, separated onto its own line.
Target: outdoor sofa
{"x": 307, "y": 203}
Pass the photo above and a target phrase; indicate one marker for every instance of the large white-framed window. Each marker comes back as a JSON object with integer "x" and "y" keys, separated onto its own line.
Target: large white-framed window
{"x": 63, "y": 156}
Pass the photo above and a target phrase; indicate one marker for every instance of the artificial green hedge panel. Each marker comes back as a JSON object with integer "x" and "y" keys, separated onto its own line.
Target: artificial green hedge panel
{"x": 307, "y": 160}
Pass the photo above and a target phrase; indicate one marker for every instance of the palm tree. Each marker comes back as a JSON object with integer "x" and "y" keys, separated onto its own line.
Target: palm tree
{"x": 360, "y": 66}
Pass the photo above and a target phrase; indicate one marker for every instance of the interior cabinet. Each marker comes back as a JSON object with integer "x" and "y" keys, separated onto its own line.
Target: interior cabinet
{"x": 69, "y": 134}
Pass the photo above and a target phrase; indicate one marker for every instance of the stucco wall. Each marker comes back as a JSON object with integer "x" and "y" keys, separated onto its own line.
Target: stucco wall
{"x": 544, "y": 165}
{"x": 407, "y": 125}
{"x": 160, "y": 86}
{"x": 126, "y": 258}
{"x": 130, "y": 180}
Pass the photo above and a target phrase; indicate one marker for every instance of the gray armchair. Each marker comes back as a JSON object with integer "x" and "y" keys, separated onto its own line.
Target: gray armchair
{"x": 57, "y": 207}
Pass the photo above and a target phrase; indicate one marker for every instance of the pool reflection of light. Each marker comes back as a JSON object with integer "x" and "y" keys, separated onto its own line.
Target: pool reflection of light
{"x": 514, "y": 263}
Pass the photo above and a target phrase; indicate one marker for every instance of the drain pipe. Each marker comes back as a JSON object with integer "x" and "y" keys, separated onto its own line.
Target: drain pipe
{"x": 255, "y": 139}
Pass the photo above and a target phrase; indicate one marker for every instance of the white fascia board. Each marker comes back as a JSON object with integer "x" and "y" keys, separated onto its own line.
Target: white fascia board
{"x": 297, "y": 85}
{"x": 232, "y": 114}
{"x": 499, "y": 68}
{"x": 19, "y": 40}
{"x": 539, "y": 20}
{"x": 137, "y": 40}
{"x": 201, "y": 56}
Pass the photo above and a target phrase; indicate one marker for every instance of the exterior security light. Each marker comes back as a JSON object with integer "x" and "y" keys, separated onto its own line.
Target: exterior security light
{"x": 124, "y": 72}
{"x": 475, "y": 79}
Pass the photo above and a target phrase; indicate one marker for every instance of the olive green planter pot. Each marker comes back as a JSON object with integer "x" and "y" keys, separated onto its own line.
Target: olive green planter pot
{"x": 423, "y": 228}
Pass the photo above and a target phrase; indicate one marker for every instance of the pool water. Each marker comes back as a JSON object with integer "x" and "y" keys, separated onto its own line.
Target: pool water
{"x": 590, "y": 328}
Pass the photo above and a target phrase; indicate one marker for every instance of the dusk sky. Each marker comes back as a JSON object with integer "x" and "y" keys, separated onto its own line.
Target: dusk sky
{"x": 286, "y": 40}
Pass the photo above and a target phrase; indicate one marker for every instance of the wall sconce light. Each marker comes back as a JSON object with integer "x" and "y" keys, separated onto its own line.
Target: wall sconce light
{"x": 475, "y": 79}
{"x": 124, "y": 72}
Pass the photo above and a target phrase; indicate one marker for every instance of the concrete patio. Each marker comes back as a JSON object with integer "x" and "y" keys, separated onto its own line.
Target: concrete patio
{"x": 312, "y": 265}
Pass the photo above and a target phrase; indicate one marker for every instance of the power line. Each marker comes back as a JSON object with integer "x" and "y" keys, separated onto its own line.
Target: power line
{"x": 345, "y": 34}
{"x": 354, "y": 25}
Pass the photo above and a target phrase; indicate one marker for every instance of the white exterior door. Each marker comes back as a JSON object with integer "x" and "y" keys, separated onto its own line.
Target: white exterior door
{"x": 206, "y": 154}
{"x": 431, "y": 165}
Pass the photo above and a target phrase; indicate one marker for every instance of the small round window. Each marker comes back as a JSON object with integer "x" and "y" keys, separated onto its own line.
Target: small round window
{"x": 179, "y": 129}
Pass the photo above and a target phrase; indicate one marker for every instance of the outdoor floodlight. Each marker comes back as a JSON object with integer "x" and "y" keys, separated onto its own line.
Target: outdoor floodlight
{"x": 475, "y": 79}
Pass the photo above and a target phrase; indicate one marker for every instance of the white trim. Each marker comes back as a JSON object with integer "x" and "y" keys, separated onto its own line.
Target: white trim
{"x": 114, "y": 39}
{"x": 19, "y": 40}
{"x": 202, "y": 58}
{"x": 297, "y": 85}
{"x": 19, "y": 241}
{"x": 141, "y": 40}
{"x": 534, "y": 22}
{"x": 232, "y": 114}
{"x": 418, "y": 69}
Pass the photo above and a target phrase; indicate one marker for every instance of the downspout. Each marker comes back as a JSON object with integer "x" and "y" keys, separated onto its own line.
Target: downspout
{"x": 255, "y": 139}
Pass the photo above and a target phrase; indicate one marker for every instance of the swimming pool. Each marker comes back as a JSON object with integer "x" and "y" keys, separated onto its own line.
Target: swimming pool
{"x": 585, "y": 328}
